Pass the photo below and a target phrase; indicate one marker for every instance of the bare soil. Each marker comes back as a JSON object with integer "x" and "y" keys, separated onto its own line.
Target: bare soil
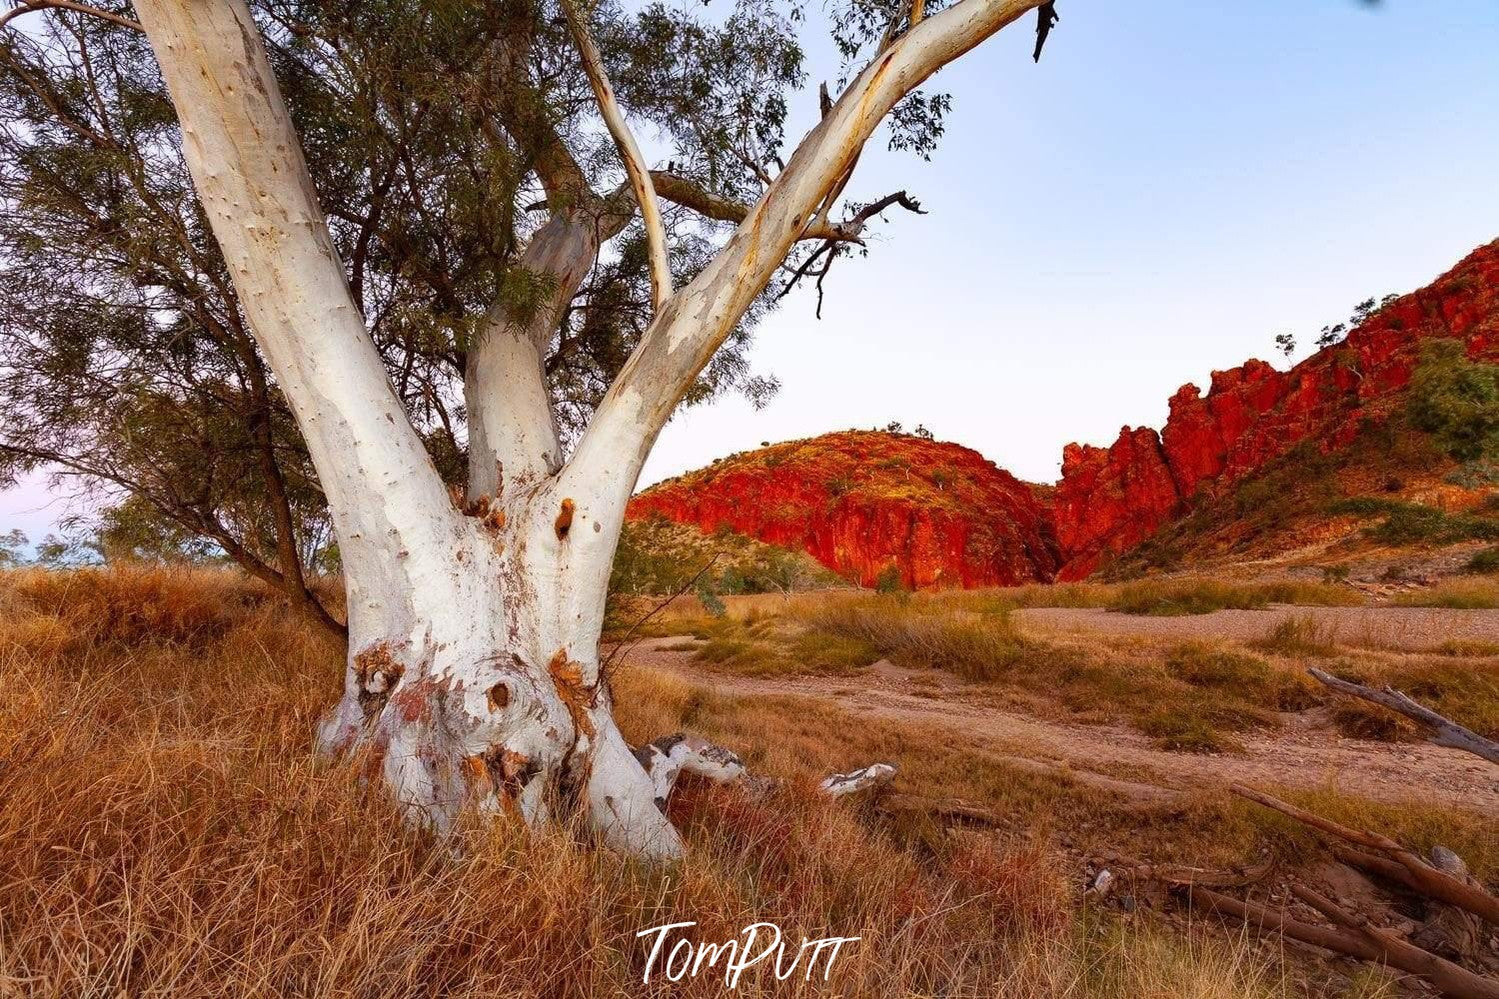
{"x": 1413, "y": 629}
{"x": 1301, "y": 754}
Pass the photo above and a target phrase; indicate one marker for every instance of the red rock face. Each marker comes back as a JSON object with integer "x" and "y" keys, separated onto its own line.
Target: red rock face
{"x": 1109, "y": 500}
{"x": 860, "y": 502}
{"x": 944, "y": 516}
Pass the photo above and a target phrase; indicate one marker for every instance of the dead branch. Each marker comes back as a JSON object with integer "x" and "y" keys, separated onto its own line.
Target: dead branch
{"x": 1424, "y": 877}
{"x": 1443, "y": 731}
{"x": 689, "y": 194}
{"x": 1179, "y": 876}
{"x": 1451, "y": 979}
{"x": 670, "y": 756}
{"x": 635, "y": 167}
{"x": 875, "y": 775}
{"x": 1355, "y": 937}
{"x": 1326, "y": 937}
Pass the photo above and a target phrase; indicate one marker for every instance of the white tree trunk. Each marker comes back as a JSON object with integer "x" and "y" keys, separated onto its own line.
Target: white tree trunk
{"x": 473, "y": 672}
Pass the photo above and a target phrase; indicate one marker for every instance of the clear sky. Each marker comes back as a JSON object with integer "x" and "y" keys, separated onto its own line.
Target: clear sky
{"x": 1166, "y": 190}
{"x": 1170, "y": 187}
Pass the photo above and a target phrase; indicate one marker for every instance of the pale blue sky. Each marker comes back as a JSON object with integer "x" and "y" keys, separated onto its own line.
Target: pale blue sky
{"x": 1162, "y": 194}
{"x": 1167, "y": 189}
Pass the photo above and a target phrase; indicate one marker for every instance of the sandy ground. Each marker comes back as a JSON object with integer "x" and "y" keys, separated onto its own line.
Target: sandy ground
{"x": 1409, "y": 628}
{"x": 1296, "y": 756}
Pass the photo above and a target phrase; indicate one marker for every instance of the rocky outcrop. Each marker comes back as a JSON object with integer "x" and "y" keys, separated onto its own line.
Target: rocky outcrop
{"x": 1110, "y": 499}
{"x": 942, "y": 515}
{"x": 862, "y": 502}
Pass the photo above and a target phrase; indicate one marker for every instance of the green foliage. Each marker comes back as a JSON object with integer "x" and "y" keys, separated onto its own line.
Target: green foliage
{"x": 435, "y": 134}
{"x": 1413, "y": 523}
{"x": 657, "y": 556}
{"x": 710, "y": 600}
{"x": 1172, "y": 598}
{"x": 1456, "y": 400}
{"x": 1486, "y": 561}
{"x": 13, "y": 548}
{"x": 1184, "y": 730}
{"x": 889, "y": 581}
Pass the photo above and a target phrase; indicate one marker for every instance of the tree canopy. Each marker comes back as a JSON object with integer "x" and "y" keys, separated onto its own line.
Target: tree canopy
{"x": 442, "y": 136}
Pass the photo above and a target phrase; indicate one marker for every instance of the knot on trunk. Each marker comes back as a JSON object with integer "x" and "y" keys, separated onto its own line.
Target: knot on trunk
{"x": 378, "y": 671}
{"x": 564, "y": 522}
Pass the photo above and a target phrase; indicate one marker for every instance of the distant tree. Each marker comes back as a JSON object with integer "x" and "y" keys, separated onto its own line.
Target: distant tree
{"x": 1285, "y": 343}
{"x": 13, "y": 546}
{"x": 922, "y": 432}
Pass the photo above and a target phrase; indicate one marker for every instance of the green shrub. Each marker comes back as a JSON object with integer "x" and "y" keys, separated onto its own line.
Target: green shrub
{"x": 1456, "y": 400}
{"x": 1413, "y": 523}
{"x": 1482, "y": 562}
{"x": 1300, "y": 635}
{"x": 889, "y": 581}
{"x": 1187, "y": 731}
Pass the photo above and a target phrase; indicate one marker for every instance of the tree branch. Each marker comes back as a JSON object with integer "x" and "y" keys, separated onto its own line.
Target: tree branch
{"x": 82, "y": 8}
{"x": 683, "y": 336}
{"x": 640, "y": 177}
{"x": 248, "y": 170}
{"x": 1436, "y": 883}
{"x": 688, "y": 194}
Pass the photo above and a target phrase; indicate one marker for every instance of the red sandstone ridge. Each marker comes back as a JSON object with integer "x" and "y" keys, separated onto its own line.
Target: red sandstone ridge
{"x": 863, "y": 501}
{"x": 1110, "y": 499}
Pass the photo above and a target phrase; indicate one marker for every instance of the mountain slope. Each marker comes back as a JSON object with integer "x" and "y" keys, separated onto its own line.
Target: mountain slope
{"x": 866, "y": 503}
{"x": 1111, "y": 499}
{"x": 1219, "y": 476}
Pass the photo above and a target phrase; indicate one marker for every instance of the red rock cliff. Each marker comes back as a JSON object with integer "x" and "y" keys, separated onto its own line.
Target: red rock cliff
{"x": 1110, "y": 499}
{"x": 862, "y": 501}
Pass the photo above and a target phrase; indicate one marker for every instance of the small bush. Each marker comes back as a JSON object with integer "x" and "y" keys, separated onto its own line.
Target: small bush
{"x": 1355, "y": 719}
{"x": 1486, "y": 561}
{"x": 1455, "y": 594}
{"x": 1412, "y": 523}
{"x": 1233, "y": 677}
{"x": 1186, "y": 731}
{"x": 889, "y": 581}
{"x": 1467, "y": 648}
{"x": 1299, "y": 635}
{"x": 825, "y": 653}
{"x": 1170, "y": 598}
{"x": 1456, "y": 400}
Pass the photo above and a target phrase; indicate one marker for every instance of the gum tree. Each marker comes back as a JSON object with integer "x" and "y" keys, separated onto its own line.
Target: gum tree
{"x": 474, "y": 678}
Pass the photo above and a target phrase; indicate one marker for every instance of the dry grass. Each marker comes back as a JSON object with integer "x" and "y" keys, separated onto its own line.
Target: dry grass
{"x": 1457, "y": 594}
{"x": 1465, "y": 691}
{"x": 1189, "y": 697}
{"x": 1301, "y": 636}
{"x": 165, "y": 832}
{"x": 1172, "y": 597}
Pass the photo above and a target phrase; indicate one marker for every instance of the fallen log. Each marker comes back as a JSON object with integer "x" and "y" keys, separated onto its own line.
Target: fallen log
{"x": 863, "y": 779}
{"x": 1423, "y": 877}
{"x": 1443, "y": 731}
{"x": 1353, "y": 936}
